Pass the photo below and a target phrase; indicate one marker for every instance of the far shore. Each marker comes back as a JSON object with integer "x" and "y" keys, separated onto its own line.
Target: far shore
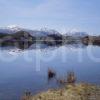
{"x": 23, "y": 40}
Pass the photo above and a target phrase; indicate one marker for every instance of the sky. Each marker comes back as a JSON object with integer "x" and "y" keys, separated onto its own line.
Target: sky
{"x": 62, "y": 15}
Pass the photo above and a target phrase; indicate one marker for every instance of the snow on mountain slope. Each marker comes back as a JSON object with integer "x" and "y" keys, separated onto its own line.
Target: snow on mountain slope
{"x": 10, "y": 29}
{"x": 13, "y": 29}
{"x": 77, "y": 34}
{"x": 42, "y": 32}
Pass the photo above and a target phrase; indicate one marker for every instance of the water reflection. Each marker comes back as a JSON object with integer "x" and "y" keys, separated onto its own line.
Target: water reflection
{"x": 21, "y": 74}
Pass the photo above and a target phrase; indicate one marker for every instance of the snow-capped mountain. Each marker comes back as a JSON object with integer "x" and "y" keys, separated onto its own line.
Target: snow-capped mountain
{"x": 42, "y": 32}
{"x": 14, "y": 28}
{"x": 77, "y": 34}
{"x": 10, "y": 29}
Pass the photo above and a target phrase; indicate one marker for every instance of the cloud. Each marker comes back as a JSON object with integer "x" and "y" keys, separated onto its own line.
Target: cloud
{"x": 16, "y": 8}
{"x": 48, "y": 9}
{"x": 65, "y": 10}
{"x": 52, "y": 8}
{"x": 56, "y": 13}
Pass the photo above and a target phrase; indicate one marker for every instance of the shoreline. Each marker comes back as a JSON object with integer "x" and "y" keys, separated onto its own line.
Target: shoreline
{"x": 81, "y": 91}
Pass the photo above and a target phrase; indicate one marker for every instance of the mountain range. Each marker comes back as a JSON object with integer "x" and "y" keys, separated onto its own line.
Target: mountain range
{"x": 11, "y": 35}
{"x": 42, "y": 32}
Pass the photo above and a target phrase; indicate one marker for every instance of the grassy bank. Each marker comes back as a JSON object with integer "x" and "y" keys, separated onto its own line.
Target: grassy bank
{"x": 69, "y": 92}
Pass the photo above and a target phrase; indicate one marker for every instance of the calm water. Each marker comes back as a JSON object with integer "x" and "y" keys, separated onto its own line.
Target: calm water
{"x": 27, "y": 70}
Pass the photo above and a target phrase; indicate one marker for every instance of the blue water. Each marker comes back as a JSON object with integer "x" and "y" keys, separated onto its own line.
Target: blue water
{"x": 27, "y": 70}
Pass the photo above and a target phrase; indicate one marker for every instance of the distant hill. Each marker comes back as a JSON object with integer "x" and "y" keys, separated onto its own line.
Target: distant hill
{"x": 23, "y": 38}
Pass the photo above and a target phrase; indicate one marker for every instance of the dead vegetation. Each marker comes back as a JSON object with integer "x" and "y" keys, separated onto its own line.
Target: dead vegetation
{"x": 78, "y": 92}
{"x": 71, "y": 90}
